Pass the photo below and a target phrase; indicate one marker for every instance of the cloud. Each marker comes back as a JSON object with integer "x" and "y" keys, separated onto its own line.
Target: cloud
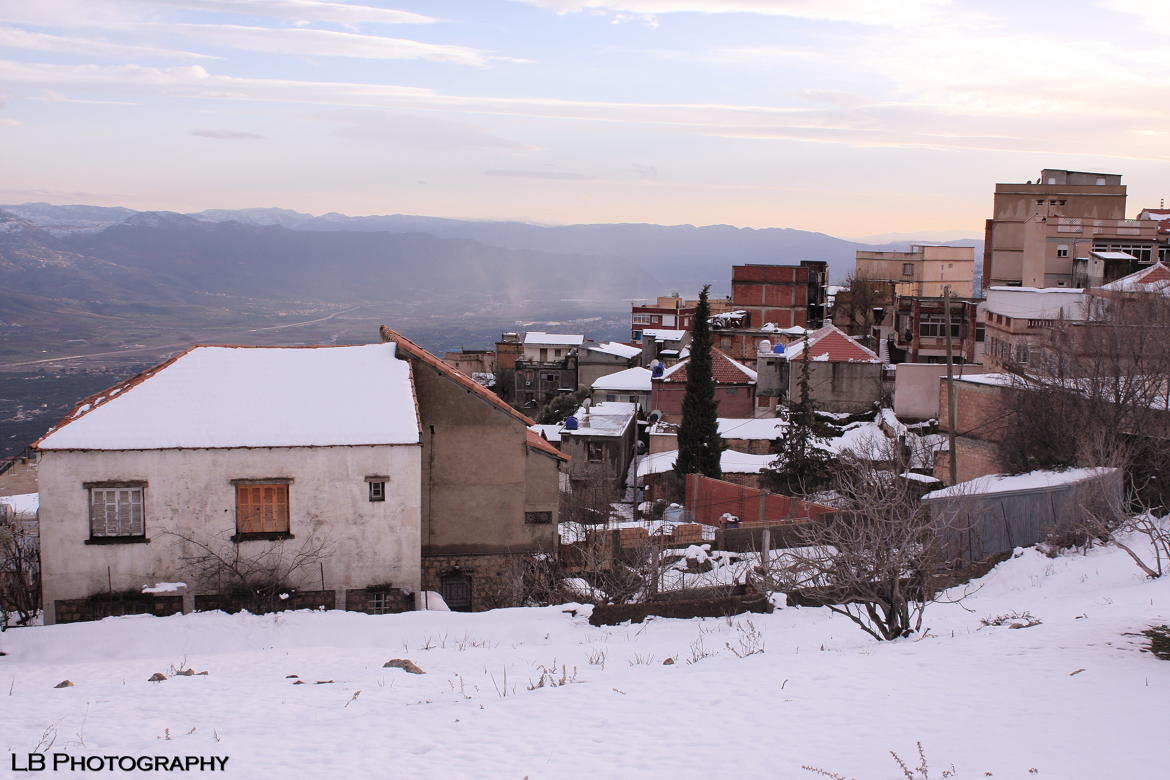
{"x": 416, "y": 131}
{"x": 555, "y": 175}
{"x": 875, "y": 12}
{"x": 79, "y": 13}
{"x": 13, "y": 38}
{"x": 327, "y": 43}
{"x": 9, "y": 122}
{"x": 645, "y": 171}
{"x": 227, "y": 135}
{"x": 56, "y": 97}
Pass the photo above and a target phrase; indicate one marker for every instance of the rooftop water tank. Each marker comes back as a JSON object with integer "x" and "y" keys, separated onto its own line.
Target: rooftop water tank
{"x": 656, "y": 368}
{"x": 570, "y": 423}
{"x": 778, "y": 349}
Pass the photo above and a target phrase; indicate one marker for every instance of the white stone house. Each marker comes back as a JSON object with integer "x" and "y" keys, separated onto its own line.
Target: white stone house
{"x": 260, "y": 451}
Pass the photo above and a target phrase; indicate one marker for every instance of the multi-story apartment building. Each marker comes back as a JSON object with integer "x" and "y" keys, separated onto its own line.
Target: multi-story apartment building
{"x": 925, "y": 270}
{"x": 1071, "y": 194}
{"x": 669, "y": 312}
{"x": 784, "y": 295}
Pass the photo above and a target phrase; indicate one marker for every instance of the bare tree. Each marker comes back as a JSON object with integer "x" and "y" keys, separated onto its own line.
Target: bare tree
{"x": 20, "y": 587}
{"x": 879, "y": 559}
{"x": 257, "y": 575}
{"x": 866, "y": 302}
{"x": 1096, "y": 392}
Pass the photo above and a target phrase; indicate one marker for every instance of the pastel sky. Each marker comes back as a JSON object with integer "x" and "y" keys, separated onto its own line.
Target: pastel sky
{"x": 853, "y": 117}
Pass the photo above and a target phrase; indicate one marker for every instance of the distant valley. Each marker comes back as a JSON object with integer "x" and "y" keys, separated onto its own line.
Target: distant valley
{"x": 90, "y": 295}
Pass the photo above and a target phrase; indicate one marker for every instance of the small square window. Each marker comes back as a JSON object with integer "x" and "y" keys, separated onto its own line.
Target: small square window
{"x": 538, "y": 518}
{"x": 262, "y": 508}
{"x": 594, "y": 452}
{"x": 1062, "y": 251}
{"x": 377, "y": 491}
{"x": 907, "y": 269}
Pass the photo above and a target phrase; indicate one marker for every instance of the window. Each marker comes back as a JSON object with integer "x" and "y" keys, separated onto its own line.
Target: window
{"x": 1062, "y": 251}
{"x": 556, "y": 353}
{"x": 116, "y": 511}
{"x": 933, "y": 326}
{"x": 907, "y": 269}
{"x": 262, "y": 508}
{"x": 549, "y": 377}
{"x": 611, "y": 396}
{"x": 384, "y": 602}
{"x": 377, "y": 488}
{"x": 594, "y": 452}
{"x": 538, "y": 518}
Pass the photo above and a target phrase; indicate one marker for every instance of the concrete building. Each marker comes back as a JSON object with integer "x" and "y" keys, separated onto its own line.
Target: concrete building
{"x": 1075, "y": 194}
{"x": 597, "y": 360}
{"x": 926, "y": 270}
{"x": 599, "y": 439}
{"x": 752, "y": 435}
{"x": 844, "y": 376}
{"x": 1063, "y": 251}
{"x": 919, "y": 332}
{"x": 667, "y": 346}
{"x": 472, "y": 361}
{"x": 669, "y": 312}
{"x": 783, "y": 295}
{"x": 1018, "y": 321}
{"x": 630, "y": 386}
{"x": 271, "y": 452}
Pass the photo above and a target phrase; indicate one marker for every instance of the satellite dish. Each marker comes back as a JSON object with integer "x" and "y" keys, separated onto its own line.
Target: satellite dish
{"x": 587, "y": 403}
{"x": 654, "y": 416}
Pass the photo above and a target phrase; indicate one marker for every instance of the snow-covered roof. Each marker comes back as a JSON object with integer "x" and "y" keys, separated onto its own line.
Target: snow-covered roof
{"x": 664, "y": 335}
{"x": 558, "y": 339}
{"x": 251, "y": 397}
{"x": 998, "y": 380}
{"x": 617, "y": 348}
{"x": 1033, "y": 480}
{"x": 831, "y": 344}
{"x": 631, "y": 379}
{"x": 605, "y": 418}
{"x": 1155, "y": 279}
{"x": 925, "y": 479}
{"x": 766, "y": 428}
{"x": 730, "y": 462}
{"x": 549, "y": 432}
{"x": 1113, "y": 255}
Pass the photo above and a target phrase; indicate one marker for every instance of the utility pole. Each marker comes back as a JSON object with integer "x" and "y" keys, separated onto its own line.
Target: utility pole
{"x": 951, "y": 455}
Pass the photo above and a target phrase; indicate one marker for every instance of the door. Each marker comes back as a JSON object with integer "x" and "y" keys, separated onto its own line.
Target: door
{"x": 455, "y": 588}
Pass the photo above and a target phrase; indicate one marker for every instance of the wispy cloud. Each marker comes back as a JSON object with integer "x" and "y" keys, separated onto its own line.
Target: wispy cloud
{"x": 9, "y": 122}
{"x": 418, "y": 131}
{"x": 14, "y": 38}
{"x": 327, "y": 43}
{"x": 875, "y": 12}
{"x": 115, "y": 12}
{"x": 227, "y": 135}
{"x": 57, "y": 97}
{"x": 554, "y": 175}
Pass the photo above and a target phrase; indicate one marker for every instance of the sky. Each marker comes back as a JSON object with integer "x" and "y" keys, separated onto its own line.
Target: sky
{"x": 851, "y": 117}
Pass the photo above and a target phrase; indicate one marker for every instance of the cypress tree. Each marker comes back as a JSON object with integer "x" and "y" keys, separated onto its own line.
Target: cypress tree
{"x": 699, "y": 445}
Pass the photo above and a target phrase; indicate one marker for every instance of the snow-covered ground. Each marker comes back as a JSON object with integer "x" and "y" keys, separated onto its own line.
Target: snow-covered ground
{"x": 1071, "y": 697}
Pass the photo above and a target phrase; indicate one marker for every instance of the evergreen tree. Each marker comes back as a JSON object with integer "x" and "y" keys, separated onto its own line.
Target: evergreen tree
{"x": 802, "y": 465}
{"x": 699, "y": 445}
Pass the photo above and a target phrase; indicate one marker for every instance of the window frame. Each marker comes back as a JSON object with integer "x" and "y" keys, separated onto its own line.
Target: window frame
{"x": 538, "y": 518}
{"x": 595, "y": 452}
{"x": 281, "y": 486}
{"x": 134, "y": 487}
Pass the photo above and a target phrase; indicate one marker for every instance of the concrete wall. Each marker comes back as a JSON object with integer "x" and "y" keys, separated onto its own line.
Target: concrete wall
{"x": 592, "y": 365}
{"x": 475, "y": 473}
{"x": 731, "y": 400}
{"x": 916, "y": 393}
{"x": 191, "y": 492}
{"x": 839, "y": 387}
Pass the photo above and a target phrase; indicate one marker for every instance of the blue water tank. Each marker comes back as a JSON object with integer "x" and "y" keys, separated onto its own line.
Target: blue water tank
{"x": 570, "y": 423}
{"x": 656, "y": 368}
{"x": 778, "y": 349}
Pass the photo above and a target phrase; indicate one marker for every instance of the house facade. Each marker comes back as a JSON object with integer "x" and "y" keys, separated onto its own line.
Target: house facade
{"x": 350, "y": 477}
{"x": 246, "y": 453}
{"x": 735, "y": 386}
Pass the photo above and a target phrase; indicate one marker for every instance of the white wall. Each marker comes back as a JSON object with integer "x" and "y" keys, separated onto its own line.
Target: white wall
{"x": 190, "y": 491}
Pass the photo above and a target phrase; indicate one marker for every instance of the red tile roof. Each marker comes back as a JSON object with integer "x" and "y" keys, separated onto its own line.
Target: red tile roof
{"x": 538, "y": 442}
{"x": 725, "y": 370}
{"x": 834, "y": 346}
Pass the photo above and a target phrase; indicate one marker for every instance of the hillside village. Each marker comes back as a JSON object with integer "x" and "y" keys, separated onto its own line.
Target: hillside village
{"x": 857, "y": 450}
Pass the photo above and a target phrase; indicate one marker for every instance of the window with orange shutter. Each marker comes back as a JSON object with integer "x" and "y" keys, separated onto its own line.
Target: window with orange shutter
{"x": 261, "y": 509}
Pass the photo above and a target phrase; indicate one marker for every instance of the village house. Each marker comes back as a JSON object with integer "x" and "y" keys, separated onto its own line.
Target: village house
{"x": 748, "y": 435}
{"x": 597, "y": 360}
{"x": 545, "y": 367}
{"x": 734, "y": 388}
{"x": 600, "y": 438}
{"x": 364, "y": 462}
{"x": 631, "y": 385}
{"x": 844, "y": 376}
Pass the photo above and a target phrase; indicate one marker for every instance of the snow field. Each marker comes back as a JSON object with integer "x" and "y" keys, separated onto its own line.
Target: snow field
{"x": 587, "y": 702}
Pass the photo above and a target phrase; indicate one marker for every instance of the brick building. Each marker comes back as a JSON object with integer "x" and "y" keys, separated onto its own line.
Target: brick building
{"x": 784, "y": 295}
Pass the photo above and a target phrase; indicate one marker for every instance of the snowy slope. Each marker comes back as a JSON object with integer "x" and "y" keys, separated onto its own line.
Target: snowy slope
{"x": 1070, "y": 698}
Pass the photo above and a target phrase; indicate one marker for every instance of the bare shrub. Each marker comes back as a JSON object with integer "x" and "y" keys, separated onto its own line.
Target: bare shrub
{"x": 20, "y": 569}
{"x": 259, "y": 577}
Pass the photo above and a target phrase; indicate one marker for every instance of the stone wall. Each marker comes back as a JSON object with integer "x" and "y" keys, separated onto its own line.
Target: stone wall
{"x": 98, "y": 607}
